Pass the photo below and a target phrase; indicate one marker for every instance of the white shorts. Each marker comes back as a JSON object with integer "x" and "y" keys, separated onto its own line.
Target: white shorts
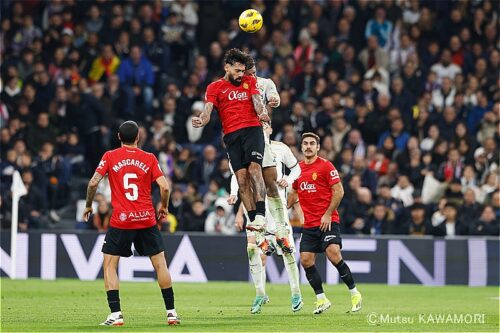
{"x": 269, "y": 159}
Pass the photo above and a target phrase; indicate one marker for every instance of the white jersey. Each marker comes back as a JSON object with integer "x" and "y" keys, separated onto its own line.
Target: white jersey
{"x": 267, "y": 89}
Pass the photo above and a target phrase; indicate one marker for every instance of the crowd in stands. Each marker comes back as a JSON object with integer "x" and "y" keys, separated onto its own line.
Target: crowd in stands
{"x": 405, "y": 95}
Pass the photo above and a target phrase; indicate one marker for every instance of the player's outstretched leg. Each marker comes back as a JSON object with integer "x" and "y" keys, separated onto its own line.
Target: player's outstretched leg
{"x": 276, "y": 209}
{"x": 322, "y": 303}
{"x": 165, "y": 283}
{"x": 335, "y": 257}
{"x": 256, "y": 268}
{"x": 293, "y": 278}
{"x": 111, "y": 284}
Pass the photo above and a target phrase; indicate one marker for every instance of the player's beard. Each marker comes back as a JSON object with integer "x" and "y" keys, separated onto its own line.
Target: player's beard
{"x": 233, "y": 80}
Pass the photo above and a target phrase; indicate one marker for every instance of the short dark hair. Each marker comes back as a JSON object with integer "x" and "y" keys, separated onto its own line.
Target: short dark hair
{"x": 235, "y": 55}
{"x": 250, "y": 62}
{"x": 128, "y": 132}
{"x": 310, "y": 135}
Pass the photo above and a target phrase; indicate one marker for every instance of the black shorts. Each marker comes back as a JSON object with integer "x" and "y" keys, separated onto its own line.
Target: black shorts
{"x": 147, "y": 241}
{"x": 316, "y": 241}
{"x": 244, "y": 146}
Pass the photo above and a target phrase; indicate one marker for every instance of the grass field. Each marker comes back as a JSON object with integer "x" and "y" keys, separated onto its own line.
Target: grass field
{"x": 76, "y": 306}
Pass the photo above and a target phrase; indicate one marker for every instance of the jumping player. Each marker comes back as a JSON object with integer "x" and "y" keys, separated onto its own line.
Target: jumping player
{"x": 131, "y": 172}
{"x": 283, "y": 157}
{"x": 241, "y": 111}
{"x": 319, "y": 191}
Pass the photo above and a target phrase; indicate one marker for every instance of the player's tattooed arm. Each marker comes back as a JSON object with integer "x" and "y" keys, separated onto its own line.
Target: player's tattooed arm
{"x": 204, "y": 117}
{"x": 260, "y": 109}
{"x": 91, "y": 190}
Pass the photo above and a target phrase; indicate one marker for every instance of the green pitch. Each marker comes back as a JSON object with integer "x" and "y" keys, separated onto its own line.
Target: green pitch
{"x": 76, "y": 306}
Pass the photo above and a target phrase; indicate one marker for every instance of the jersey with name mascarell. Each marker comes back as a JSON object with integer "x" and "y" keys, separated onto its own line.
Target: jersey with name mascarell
{"x": 314, "y": 188}
{"x": 234, "y": 103}
{"x": 131, "y": 172}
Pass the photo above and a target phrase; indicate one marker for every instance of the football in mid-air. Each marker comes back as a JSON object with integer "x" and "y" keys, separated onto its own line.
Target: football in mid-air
{"x": 250, "y": 21}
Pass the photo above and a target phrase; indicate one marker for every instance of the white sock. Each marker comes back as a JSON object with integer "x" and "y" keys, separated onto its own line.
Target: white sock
{"x": 256, "y": 268}
{"x": 278, "y": 214}
{"x": 293, "y": 272}
{"x": 320, "y": 296}
{"x": 264, "y": 276}
{"x": 116, "y": 314}
{"x": 354, "y": 291}
{"x": 172, "y": 311}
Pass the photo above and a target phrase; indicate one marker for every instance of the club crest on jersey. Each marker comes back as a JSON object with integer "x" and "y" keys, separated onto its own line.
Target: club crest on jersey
{"x": 245, "y": 85}
{"x": 314, "y": 176}
{"x": 123, "y": 217}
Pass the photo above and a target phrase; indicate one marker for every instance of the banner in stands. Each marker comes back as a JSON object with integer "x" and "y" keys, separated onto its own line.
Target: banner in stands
{"x": 201, "y": 258}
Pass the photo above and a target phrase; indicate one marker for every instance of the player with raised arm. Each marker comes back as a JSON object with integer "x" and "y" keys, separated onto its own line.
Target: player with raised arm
{"x": 319, "y": 191}
{"x": 131, "y": 171}
{"x": 241, "y": 111}
{"x": 283, "y": 157}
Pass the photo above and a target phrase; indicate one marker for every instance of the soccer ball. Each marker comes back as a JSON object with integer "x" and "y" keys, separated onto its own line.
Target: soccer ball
{"x": 250, "y": 21}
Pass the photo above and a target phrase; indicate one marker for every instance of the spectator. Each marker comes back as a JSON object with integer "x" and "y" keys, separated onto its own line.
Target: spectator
{"x": 374, "y": 56}
{"x": 445, "y": 68}
{"x": 398, "y": 133}
{"x": 194, "y": 219}
{"x": 403, "y": 191}
{"x": 487, "y": 225}
{"x": 379, "y": 27}
{"x": 104, "y": 66}
{"x": 137, "y": 76}
{"x": 418, "y": 224}
{"x": 221, "y": 221}
{"x": 381, "y": 220}
{"x": 450, "y": 226}
{"x": 101, "y": 219}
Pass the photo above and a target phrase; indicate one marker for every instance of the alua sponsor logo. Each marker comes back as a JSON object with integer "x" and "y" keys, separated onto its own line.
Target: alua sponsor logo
{"x": 139, "y": 215}
{"x": 305, "y": 186}
{"x": 237, "y": 95}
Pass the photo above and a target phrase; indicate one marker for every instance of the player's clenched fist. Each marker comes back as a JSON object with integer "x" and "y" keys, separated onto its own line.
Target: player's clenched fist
{"x": 162, "y": 213}
{"x": 197, "y": 122}
{"x": 86, "y": 213}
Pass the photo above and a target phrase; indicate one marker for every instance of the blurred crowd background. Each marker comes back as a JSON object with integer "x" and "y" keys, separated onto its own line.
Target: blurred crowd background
{"x": 405, "y": 95}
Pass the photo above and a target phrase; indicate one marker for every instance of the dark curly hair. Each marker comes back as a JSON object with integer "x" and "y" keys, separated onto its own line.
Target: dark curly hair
{"x": 250, "y": 62}
{"x": 233, "y": 56}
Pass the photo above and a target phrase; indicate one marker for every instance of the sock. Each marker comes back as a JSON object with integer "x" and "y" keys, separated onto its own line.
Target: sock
{"x": 251, "y": 215}
{"x": 168, "y": 298}
{"x": 345, "y": 274}
{"x": 320, "y": 296}
{"x": 354, "y": 291}
{"x": 314, "y": 279}
{"x": 264, "y": 275}
{"x": 278, "y": 214}
{"x": 256, "y": 267}
{"x": 260, "y": 208}
{"x": 113, "y": 300}
{"x": 293, "y": 272}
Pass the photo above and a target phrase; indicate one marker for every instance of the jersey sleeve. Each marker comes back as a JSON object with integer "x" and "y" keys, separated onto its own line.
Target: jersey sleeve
{"x": 253, "y": 86}
{"x": 103, "y": 166}
{"x": 211, "y": 94}
{"x": 288, "y": 158}
{"x": 331, "y": 173}
{"x": 155, "y": 169}
{"x": 295, "y": 184}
